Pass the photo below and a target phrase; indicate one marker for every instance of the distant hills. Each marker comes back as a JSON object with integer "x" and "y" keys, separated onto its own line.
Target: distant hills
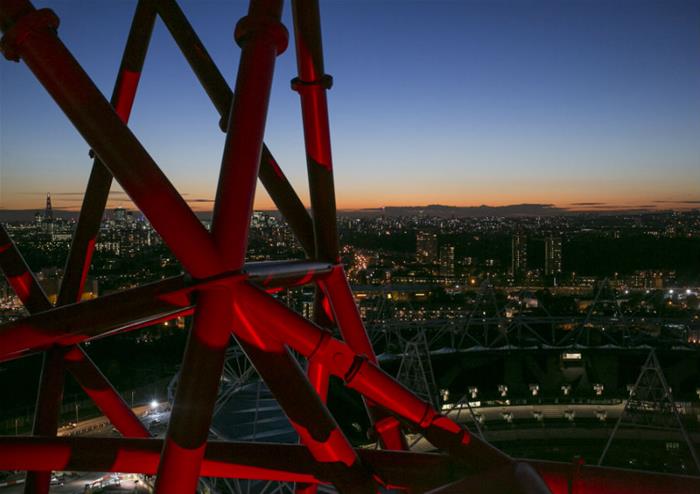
{"x": 441, "y": 211}
{"x": 433, "y": 210}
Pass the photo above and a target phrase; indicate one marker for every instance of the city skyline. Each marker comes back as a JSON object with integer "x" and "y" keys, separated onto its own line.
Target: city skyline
{"x": 582, "y": 106}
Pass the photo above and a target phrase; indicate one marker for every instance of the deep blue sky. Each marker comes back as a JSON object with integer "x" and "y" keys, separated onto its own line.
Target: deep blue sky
{"x": 462, "y": 103}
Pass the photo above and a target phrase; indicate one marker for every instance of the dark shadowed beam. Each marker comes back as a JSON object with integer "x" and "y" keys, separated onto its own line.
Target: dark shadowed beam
{"x": 342, "y": 302}
{"x": 269, "y": 461}
{"x": 271, "y": 175}
{"x": 46, "y": 412}
{"x": 293, "y": 463}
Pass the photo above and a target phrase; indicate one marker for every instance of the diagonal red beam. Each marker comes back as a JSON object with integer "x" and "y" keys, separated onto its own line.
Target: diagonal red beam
{"x": 307, "y": 413}
{"x": 280, "y": 322}
{"x": 353, "y": 331}
{"x": 102, "y": 128}
{"x": 19, "y": 276}
{"x": 100, "y": 181}
{"x": 100, "y": 390}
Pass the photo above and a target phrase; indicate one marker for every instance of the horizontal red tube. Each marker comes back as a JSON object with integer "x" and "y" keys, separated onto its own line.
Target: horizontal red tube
{"x": 138, "y": 307}
{"x": 293, "y": 463}
{"x": 142, "y": 456}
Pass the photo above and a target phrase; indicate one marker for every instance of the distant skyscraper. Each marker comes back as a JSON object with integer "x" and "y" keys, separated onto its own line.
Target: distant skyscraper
{"x": 47, "y": 225}
{"x": 426, "y": 247}
{"x": 519, "y": 255}
{"x": 552, "y": 256}
{"x": 447, "y": 260}
{"x": 48, "y": 212}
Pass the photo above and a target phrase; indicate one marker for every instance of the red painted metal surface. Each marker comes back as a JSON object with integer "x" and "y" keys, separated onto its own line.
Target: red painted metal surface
{"x": 229, "y": 297}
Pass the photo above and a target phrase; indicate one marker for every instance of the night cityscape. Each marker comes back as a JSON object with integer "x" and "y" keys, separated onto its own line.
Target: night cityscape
{"x": 454, "y": 325}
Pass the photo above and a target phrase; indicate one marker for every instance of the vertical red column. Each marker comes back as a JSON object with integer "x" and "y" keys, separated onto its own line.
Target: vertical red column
{"x": 48, "y": 408}
{"x": 261, "y": 37}
{"x": 311, "y": 84}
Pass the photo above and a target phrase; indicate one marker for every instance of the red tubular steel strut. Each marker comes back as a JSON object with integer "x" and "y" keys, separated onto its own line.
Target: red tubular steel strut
{"x": 262, "y": 38}
{"x": 312, "y": 84}
{"x": 322, "y": 206}
{"x": 139, "y": 307}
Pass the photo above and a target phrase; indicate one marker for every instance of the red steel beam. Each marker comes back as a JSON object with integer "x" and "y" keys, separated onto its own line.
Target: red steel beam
{"x": 75, "y": 323}
{"x": 100, "y": 181}
{"x": 232, "y": 460}
{"x": 573, "y": 478}
{"x": 269, "y": 461}
{"x": 138, "y": 307}
{"x": 113, "y": 142}
{"x": 188, "y": 428}
{"x": 100, "y": 390}
{"x": 353, "y": 331}
{"x": 311, "y": 85}
{"x": 278, "y": 321}
{"x": 48, "y": 408}
{"x": 304, "y": 408}
{"x": 293, "y": 463}
{"x": 261, "y": 37}
{"x": 220, "y": 94}
{"x": 20, "y": 277}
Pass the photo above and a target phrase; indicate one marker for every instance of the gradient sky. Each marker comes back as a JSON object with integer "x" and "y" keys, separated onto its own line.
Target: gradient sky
{"x": 460, "y": 103}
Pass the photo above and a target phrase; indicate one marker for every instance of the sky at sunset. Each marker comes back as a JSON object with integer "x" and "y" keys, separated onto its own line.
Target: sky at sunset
{"x": 580, "y": 104}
